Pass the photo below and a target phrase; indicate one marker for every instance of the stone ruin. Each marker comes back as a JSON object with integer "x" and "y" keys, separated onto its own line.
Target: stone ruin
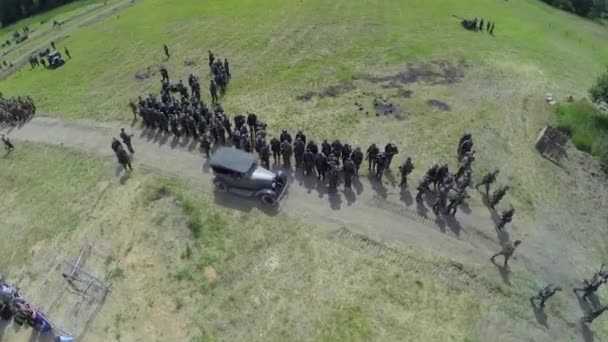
{"x": 551, "y": 143}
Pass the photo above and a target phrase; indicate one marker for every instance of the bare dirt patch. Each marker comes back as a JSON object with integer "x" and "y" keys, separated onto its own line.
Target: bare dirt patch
{"x": 385, "y": 107}
{"x": 143, "y": 75}
{"x": 189, "y": 62}
{"x": 331, "y": 91}
{"x": 438, "y": 104}
{"x": 405, "y": 93}
{"x": 433, "y": 73}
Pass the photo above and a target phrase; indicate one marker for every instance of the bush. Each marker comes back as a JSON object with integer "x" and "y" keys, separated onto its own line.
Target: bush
{"x": 599, "y": 92}
{"x": 587, "y": 127}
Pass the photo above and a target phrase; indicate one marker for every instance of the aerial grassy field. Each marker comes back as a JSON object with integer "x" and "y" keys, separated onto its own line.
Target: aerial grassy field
{"x": 189, "y": 269}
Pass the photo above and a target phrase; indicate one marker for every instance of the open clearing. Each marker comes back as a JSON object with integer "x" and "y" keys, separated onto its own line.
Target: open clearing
{"x": 359, "y": 265}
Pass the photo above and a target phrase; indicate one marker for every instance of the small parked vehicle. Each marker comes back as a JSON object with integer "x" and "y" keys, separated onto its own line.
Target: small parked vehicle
{"x": 238, "y": 172}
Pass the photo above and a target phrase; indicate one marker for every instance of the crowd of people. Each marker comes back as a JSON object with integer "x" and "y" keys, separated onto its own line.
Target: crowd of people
{"x": 16, "y": 110}
{"x": 16, "y": 308}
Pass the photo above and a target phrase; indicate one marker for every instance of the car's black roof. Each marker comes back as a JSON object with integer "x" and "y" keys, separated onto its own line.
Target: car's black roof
{"x": 232, "y": 159}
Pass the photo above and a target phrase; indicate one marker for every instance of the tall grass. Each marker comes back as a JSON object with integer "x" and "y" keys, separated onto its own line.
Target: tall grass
{"x": 587, "y": 127}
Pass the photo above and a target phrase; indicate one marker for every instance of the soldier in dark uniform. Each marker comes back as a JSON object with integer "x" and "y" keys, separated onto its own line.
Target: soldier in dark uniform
{"x": 275, "y": 147}
{"x": 213, "y": 91}
{"x": 321, "y": 164}
{"x": 405, "y": 170}
{"x": 381, "y": 162}
{"x": 265, "y": 156}
{"x": 442, "y": 200}
{"x": 164, "y": 74}
{"x": 239, "y": 121}
{"x": 390, "y": 150}
{"x": 325, "y": 148}
{"x": 507, "y": 252}
{"x": 595, "y": 313}
{"x": 348, "y": 170}
{"x": 423, "y": 187}
{"x": 8, "y": 146}
{"x": 166, "y": 48}
{"x": 285, "y": 136}
{"x": 544, "y": 294}
{"x": 202, "y": 126}
{"x": 286, "y": 151}
{"x": 456, "y": 201}
{"x": 116, "y": 145}
{"x": 252, "y": 121}
{"x": 245, "y": 144}
{"x": 589, "y": 287}
{"x": 505, "y": 218}
{"x": 336, "y": 149}
{"x": 174, "y": 125}
{"x": 465, "y": 163}
{"x": 205, "y": 144}
{"x": 466, "y": 180}
{"x": 442, "y": 172}
{"x": 346, "y": 152}
{"x": 492, "y": 29}
{"x": 312, "y": 147}
{"x": 227, "y": 68}
{"x": 465, "y": 145}
{"x": 481, "y": 24}
{"x": 333, "y": 176}
{"x": 498, "y": 195}
{"x": 126, "y": 139}
{"x": 308, "y": 159}
{"x": 488, "y": 26}
{"x": 211, "y": 58}
{"x": 259, "y": 143}
{"x": 331, "y": 159}
{"x": 357, "y": 157}
{"x": 301, "y": 136}
{"x": 372, "y": 153}
{"x": 298, "y": 151}
{"x": 488, "y": 179}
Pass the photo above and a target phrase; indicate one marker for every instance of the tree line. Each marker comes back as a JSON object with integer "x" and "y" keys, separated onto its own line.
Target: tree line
{"x": 585, "y": 8}
{"x": 12, "y": 11}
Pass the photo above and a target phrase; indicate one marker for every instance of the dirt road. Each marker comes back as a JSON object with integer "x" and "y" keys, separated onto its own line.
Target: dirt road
{"x": 378, "y": 210}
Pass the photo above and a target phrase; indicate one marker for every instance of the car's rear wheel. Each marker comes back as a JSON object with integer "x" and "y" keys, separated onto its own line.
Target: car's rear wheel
{"x": 220, "y": 186}
{"x": 268, "y": 200}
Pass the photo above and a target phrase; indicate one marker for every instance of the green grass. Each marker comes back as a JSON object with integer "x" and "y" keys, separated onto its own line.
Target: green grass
{"x": 280, "y": 49}
{"x": 45, "y": 193}
{"x": 586, "y": 125}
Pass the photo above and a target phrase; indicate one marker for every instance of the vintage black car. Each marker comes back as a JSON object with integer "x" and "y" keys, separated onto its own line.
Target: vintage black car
{"x": 238, "y": 172}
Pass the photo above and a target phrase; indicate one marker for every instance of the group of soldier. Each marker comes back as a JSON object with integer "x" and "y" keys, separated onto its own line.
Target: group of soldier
{"x": 16, "y": 308}
{"x": 15, "y": 110}
{"x": 38, "y": 59}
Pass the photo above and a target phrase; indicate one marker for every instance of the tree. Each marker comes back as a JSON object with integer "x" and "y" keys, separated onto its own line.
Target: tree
{"x": 599, "y": 92}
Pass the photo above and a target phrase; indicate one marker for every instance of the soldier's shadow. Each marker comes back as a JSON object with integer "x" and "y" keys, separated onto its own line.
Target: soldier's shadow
{"x": 539, "y": 313}
{"x": 588, "y": 305}
{"x": 422, "y": 209}
{"x": 349, "y": 195}
{"x": 206, "y": 167}
{"x": 390, "y": 177}
{"x": 504, "y": 272}
{"x": 454, "y": 225}
{"x": 406, "y": 196}
{"x": 588, "y": 334}
{"x": 378, "y": 186}
{"x": 503, "y": 236}
{"x": 174, "y": 142}
{"x": 335, "y": 200}
{"x": 465, "y": 208}
{"x": 357, "y": 185}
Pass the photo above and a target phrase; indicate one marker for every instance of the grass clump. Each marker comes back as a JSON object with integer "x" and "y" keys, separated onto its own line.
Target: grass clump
{"x": 587, "y": 127}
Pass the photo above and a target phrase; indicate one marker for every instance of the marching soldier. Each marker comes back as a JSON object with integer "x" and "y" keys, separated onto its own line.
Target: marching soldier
{"x": 423, "y": 187}
{"x": 544, "y": 294}
{"x": 456, "y": 201}
{"x": 325, "y": 148}
{"x": 505, "y": 218}
{"x": 321, "y": 164}
{"x": 285, "y": 136}
{"x": 308, "y": 158}
{"x": 405, "y": 170}
{"x": 312, "y": 147}
{"x": 8, "y": 146}
{"x": 498, "y": 195}
{"x": 507, "y": 252}
{"x": 265, "y": 156}
{"x": 298, "y": 151}
{"x": 286, "y": 151}
{"x": 275, "y": 147}
{"x": 372, "y": 154}
{"x": 381, "y": 163}
{"x": 349, "y": 171}
{"x": 126, "y": 139}
{"x": 595, "y": 313}
{"x": 357, "y": 158}
{"x": 213, "y": 91}
{"x": 390, "y": 150}
{"x": 589, "y": 287}
{"x": 488, "y": 179}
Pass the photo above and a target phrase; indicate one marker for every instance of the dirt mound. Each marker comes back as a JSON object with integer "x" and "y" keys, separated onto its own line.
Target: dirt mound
{"x": 433, "y": 73}
{"x": 385, "y": 107}
{"x": 144, "y": 74}
{"x": 438, "y": 104}
{"x": 189, "y": 62}
{"x": 405, "y": 93}
{"x": 331, "y": 91}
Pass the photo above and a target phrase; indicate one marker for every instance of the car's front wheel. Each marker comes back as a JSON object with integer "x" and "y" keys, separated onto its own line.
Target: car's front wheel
{"x": 268, "y": 200}
{"x": 220, "y": 186}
